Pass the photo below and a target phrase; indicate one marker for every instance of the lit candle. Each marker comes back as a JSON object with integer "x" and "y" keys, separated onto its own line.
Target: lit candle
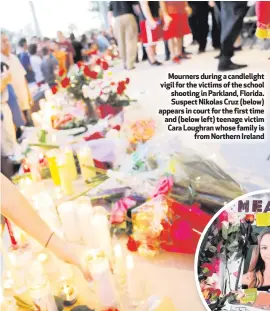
{"x": 71, "y": 163}
{"x": 51, "y": 156}
{"x": 86, "y": 159}
{"x": 69, "y": 221}
{"x": 65, "y": 177}
{"x": 119, "y": 267}
{"x": 102, "y": 236}
{"x": 85, "y": 213}
{"x": 48, "y": 94}
{"x": 106, "y": 291}
{"x": 40, "y": 290}
{"x": 68, "y": 294}
{"x": 133, "y": 288}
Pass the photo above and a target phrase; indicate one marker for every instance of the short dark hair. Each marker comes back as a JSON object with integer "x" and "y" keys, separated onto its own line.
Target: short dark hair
{"x": 32, "y": 49}
{"x": 45, "y": 51}
{"x": 22, "y": 42}
{"x": 72, "y": 37}
{"x": 46, "y": 39}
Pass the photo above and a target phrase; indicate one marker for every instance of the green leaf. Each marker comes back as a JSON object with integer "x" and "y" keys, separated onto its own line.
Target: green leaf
{"x": 224, "y": 233}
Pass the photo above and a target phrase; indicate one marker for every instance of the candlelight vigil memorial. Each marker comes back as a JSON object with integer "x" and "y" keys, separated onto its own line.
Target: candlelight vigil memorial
{"x": 126, "y": 128}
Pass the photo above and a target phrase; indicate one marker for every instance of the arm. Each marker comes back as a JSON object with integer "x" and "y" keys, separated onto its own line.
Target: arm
{"x": 165, "y": 14}
{"x": 15, "y": 207}
{"x": 5, "y": 80}
{"x": 148, "y": 15}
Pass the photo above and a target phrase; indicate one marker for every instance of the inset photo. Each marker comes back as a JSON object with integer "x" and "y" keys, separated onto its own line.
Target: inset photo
{"x": 232, "y": 263}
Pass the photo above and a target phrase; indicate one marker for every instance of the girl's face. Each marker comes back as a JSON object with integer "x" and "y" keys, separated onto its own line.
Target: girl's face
{"x": 265, "y": 248}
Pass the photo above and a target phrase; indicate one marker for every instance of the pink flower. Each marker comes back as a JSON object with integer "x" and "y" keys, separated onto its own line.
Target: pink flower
{"x": 181, "y": 231}
{"x": 216, "y": 265}
{"x": 120, "y": 208}
{"x": 164, "y": 186}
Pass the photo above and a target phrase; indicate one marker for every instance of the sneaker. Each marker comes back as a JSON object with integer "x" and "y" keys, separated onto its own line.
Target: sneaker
{"x": 176, "y": 60}
{"x": 156, "y": 63}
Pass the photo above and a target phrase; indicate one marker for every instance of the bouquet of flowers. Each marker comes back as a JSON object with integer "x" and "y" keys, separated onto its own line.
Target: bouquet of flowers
{"x": 112, "y": 98}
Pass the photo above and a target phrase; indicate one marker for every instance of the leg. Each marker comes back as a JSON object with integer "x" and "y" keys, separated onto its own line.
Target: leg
{"x": 131, "y": 39}
{"x": 27, "y": 114}
{"x": 203, "y": 25}
{"x": 179, "y": 46}
{"x": 144, "y": 57}
{"x": 119, "y": 32}
{"x": 215, "y": 30}
{"x": 171, "y": 48}
{"x": 193, "y": 20}
{"x": 167, "y": 50}
{"x": 232, "y": 15}
{"x": 151, "y": 53}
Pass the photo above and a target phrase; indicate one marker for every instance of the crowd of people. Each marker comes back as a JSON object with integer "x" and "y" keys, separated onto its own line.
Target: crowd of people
{"x": 37, "y": 61}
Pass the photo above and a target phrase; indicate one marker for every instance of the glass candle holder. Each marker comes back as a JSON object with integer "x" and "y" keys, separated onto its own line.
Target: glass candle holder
{"x": 70, "y": 162}
{"x": 67, "y": 291}
{"x": 86, "y": 159}
{"x": 65, "y": 175}
{"x": 51, "y": 157}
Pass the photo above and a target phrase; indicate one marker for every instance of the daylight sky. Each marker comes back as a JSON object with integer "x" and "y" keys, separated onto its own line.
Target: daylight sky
{"x": 52, "y": 15}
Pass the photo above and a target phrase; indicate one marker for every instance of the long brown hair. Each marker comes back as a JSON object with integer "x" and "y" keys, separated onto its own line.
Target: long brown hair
{"x": 257, "y": 265}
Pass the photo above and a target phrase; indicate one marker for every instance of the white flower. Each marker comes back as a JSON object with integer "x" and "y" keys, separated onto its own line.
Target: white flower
{"x": 85, "y": 90}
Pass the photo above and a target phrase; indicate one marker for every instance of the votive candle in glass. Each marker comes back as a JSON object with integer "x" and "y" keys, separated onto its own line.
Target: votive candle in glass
{"x": 65, "y": 175}
{"x": 86, "y": 159}
{"x": 52, "y": 161}
{"x": 71, "y": 163}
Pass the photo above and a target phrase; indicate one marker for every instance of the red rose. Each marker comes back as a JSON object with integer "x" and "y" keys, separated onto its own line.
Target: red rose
{"x": 164, "y": 186}
{"x": 80, "y": 64}
{"x": 133, "y": 245}
{"x": 89, "y": 73}
{"x": 112, "y": 83}
{"x": 101, "y": 165}
{"x": 61, "y": 72}
{"x": 249, "y": 218}
{"x": 207, "y": 269}
{"x": 127, "y": 80}
{"x": 54, "y": 89}
{"x": 65, "y": 82}
{"x": 116, "y": 127}
{"x": 98, "y": 62}
{"x": 104, "y": 65}
{"x": 121, "y": 87}
{"x": 96, "y": 135}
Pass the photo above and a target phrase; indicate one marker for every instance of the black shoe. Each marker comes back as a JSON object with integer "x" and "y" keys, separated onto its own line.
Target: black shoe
{"x": 156, "y": 63}
{"x": 167, "y": 58}
{"x": 238, "y": 48}
{"x": 201, "y": 51}
{"x": 229, "y": 65}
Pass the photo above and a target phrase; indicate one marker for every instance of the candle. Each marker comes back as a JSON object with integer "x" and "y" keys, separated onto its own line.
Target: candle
{"x": 85, "y": 213}
{"x": 86, "y": 159}
{"x": 40, "y": 290}
{"x": 106, "y": 291}
{"x": 102, "y": 236}
{"x": 65, "y": 176}
{"x": 133, "y": 287}
{"x": 119, "y": 267}
{"x": 42, "y": 257}
{"x": 68, "y": 294}
{"x": 69, "y": 221}
{"x": 71, "y": 163}
{"x": 51, "y": 156}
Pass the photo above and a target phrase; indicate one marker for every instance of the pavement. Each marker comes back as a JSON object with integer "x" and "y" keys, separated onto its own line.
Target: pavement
{"x": 245, "y": 161}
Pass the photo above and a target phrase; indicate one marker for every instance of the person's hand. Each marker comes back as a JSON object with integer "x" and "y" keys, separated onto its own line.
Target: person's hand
{"x": 188, "y": 10}
{"x": 76, "y": 255}
{"x": 167, "y": 21}
{"x": 152, "y": 23}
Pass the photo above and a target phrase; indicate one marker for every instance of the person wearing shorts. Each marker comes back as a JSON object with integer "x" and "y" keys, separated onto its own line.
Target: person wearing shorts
{"x": 151, "y": 29}
{"x": 175, "y": 26}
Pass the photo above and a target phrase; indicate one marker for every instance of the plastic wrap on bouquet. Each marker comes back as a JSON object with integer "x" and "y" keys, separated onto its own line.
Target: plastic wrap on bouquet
{"x": 164, "y": 224}
{"x": 195, "y": 178}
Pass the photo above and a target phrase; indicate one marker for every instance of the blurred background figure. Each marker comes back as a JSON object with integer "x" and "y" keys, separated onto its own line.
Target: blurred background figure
{"x": 48, "y": 67}
{"x": 151, "y": 29}
{"x": 25, "y": 61}
{"x": 78, "y": 47}
{"x": 66, "y": 46}
{"x": 35, "y": 61}
{"x": 59, "y": 55}
{"x": 232, "y": 14}
{"x": 125, "y": 30}
{"x": 18, "y": 80}
{"x": 175, "y": 27}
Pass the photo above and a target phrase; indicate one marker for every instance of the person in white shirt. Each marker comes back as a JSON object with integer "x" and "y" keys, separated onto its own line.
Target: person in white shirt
{"x": 35, "y": 62}
{"x": 18, "y": 80}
